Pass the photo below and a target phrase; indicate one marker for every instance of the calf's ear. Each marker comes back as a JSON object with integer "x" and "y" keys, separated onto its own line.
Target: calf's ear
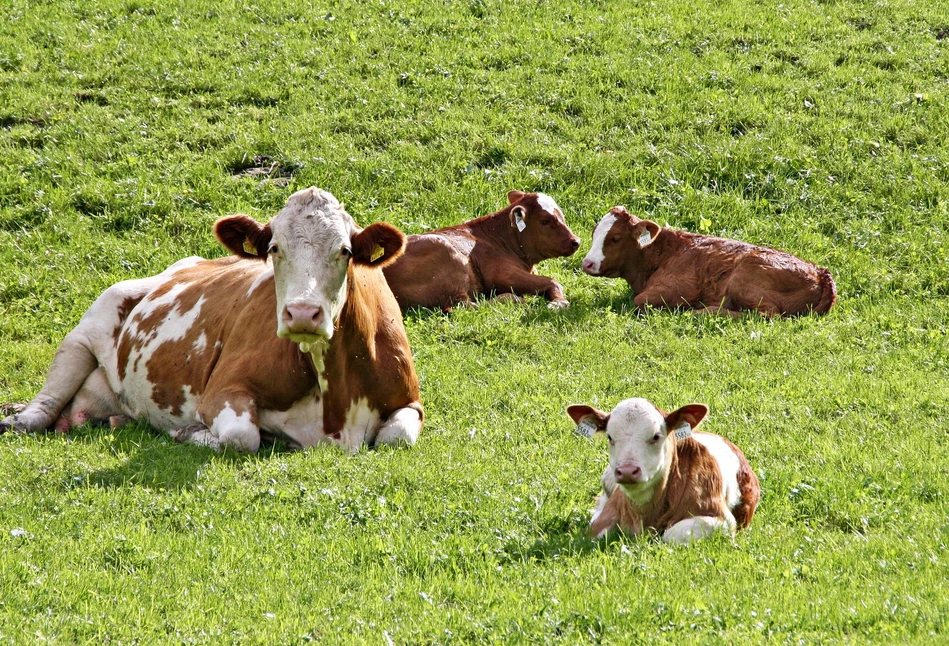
{"x": 514, "y": 196}
{"x": 378, "y": 245}
{"x": 580, "y": 413}
{"x": 645, "y": 232}
{"x": 243, "y": 236}
{"x": 691, "y": 414}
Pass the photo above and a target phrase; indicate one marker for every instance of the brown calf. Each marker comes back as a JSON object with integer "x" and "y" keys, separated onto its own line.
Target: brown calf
{"x": 672, "y": 268}
{"x": 662, "y": 476}
{"x": 491, "y": 254}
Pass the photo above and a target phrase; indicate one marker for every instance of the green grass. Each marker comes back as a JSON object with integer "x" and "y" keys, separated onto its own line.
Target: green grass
{"x": 816, "y": 127}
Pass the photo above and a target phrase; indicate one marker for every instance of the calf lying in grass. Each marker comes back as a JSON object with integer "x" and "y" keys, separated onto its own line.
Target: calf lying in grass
{"x": 493, "y": 254}
{"x": 664, "y": 477}
{"x": 671, "y": 268}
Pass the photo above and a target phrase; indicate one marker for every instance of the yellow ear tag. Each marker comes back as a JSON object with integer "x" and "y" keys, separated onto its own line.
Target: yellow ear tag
{"x": 377, "y": 253}
{"x": 249, "y": 247}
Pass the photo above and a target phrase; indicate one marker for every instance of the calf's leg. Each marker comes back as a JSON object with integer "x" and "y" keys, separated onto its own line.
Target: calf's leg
{"x": 401, "y": 428}
{"x": 523, "y": 283}
{"x": 692, "y": 529}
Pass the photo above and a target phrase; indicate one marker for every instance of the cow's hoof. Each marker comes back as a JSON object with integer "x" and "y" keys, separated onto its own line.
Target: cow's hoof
{"x": 5, "y": 426}
{"x": 186, "y": 433}
{"x": 119, "y": 421}
{"x": 11, "y": 409}
{"x": 558, "y": 305}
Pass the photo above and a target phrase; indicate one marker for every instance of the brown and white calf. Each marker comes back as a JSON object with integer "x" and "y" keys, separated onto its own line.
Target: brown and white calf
{"x": 666, "y": 477}
{"x": 671, "y": 268}
{"x": 494, "y": 254}
{"x": 299, "y": 338}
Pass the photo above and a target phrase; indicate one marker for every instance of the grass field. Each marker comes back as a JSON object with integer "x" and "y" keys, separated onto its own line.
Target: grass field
{"x": 128, "y": 127}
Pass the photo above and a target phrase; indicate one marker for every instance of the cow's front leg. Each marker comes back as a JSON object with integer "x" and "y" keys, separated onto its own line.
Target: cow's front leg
{"x": 522, "y": 283}
{"x": 196, "y": 434}
{"x": 231, "y": 422}
{"x": 401, "y": 428}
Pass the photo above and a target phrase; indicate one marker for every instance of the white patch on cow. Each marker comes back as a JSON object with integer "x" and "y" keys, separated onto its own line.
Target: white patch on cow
{"x": 301, "y": 424}
{"x": 361, "y": 424}
{"x": 596, "y": 255}
{"x": 201, "y": 343}
{"x": 236, "y": 431}
{"x": 263, "y": 277}
{"x": 401, "y": 427}
{"x": 692, "y": 529}
{"x": 136, "y": 386}
{"x": 600, "y": 505}
{"x": 548, "y": 204}
{"x": 728, "y": 465}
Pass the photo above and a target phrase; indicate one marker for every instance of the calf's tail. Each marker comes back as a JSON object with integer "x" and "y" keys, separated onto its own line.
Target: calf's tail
{"x": 828, "y": 290}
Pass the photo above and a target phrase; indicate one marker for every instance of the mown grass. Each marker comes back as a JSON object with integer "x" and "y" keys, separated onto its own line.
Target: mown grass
{"x": 817, "y": 127}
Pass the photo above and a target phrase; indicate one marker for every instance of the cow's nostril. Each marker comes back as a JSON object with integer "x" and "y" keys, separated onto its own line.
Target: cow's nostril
{"x": 574, "y": 244}
{"x": 302, "y": 318}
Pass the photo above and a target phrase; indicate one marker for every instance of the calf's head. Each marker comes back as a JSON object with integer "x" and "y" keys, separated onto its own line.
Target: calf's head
{"x": 541, "y": 228}
{"x": 311, "y": 243}
{"x": 618, "y": 242}
{"x": 641, "y": 437}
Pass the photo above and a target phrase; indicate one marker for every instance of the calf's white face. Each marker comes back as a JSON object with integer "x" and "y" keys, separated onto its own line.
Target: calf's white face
{"x": 638, "y": 432}
{"x": 311, "y": 243}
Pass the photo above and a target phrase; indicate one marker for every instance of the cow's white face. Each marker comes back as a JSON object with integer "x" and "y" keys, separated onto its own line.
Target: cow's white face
{"x": 310, "y": 248}
{"x": 311, "y": 243}
{"x": 638, "y": 434}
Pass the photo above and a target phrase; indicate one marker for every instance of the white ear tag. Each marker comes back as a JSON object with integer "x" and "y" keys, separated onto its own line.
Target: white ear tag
{"x": 683, "y": 431}
{"x": 645, "y": 238}
{"x": 519, "y": 221}
{"x": 586, "y": 429}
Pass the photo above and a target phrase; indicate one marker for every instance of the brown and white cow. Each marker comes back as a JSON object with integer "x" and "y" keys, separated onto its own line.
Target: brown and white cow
{"x": 493, "y": 254}
{"x": 666, "y": 477}
{"x": 300, "y": 338}
{"x": 671, "y": 268}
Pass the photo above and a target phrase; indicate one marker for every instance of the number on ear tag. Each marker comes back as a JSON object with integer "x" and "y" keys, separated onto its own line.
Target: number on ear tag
{"x": 377, "y": 253}
{"x": 519, "y": 221}
{"x": 586, "y": 429}
{"x": 645, "y": 238}
{"x": 683, "y": 431}
{"x": 249, "y": 247}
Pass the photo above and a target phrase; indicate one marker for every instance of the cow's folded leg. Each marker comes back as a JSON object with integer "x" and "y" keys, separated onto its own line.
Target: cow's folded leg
{"x": 401, "y": 428}
{"x": 232, "y": 420}
{"x": 196, "y": 434}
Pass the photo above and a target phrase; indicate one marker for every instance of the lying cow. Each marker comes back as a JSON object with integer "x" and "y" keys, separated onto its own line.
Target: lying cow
{"x": 670, "y": 268}
{"x": 196, "y": 351}
{"x": 494, "y": 254}
{"x": 663, "y": 476}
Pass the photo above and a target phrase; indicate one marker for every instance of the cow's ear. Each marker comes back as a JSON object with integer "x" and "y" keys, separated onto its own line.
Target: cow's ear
{"x": 587, "y": 415}
{"x": 244, "y": 236}
{"x": 645, "y": 232}
{"x": 691, "y": 414}
{"x": 515, "y": 196}
{"x": 378, "y": 245}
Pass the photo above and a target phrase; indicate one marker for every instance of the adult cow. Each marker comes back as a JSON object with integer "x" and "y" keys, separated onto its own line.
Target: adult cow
{"x": 195, "y": 350}
{"x": 493, "y": 254}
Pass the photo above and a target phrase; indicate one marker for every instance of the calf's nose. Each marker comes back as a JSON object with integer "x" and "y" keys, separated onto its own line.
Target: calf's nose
{"x": 627, "y": 473}
{"x": 575, "y": 244}
{"x": 303, "y": 318}
{"x": 588, "y": 266}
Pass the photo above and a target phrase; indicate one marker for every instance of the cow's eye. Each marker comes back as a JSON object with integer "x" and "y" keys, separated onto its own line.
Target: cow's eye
{"x": 609, "y": 438}
{"x": 273, "y": 250}
{"x": 346, "y": 252}
{"x": 615, "y": 239}
{"x": 545, "y": 222}
{"x": 655, "y": 438}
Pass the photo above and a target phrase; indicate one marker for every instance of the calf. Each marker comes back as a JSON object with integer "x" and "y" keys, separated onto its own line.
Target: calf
{"x": 198, "y": 351}
{"x": 664, "y": 477}
{"x": 670, "y": 268}
{"x": 491, "y": 254}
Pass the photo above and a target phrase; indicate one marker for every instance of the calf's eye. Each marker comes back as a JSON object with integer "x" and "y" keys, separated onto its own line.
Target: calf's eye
{"x": 655, "y": 438}
{"x": 346, "y": 252}
{"x": 274, "y": 250}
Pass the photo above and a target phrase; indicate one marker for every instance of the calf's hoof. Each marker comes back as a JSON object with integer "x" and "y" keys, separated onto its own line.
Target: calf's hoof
{"x": 9, "y": 410}
{"x": 186, "y": 433}
{"x": 558, "y": 305}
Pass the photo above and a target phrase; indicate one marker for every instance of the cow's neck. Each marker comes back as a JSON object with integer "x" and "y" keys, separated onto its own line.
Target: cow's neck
{"x": 651, "y": 258}
{"x": 501, "y": 229}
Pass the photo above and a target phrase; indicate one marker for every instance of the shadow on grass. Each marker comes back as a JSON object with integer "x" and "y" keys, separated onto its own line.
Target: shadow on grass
{"x": 568, "y": 537}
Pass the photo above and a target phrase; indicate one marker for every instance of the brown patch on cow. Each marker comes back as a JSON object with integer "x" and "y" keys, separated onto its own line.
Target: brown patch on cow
{"x": 125, "y": 308}
{"x": 369, "y": 354}
{"x": 681, "y": 269}
{"x": 483, "y": 257}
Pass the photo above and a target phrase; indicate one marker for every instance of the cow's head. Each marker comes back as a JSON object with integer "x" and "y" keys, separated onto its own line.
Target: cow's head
{"x": 311, "y": 243}
{"x": 640, "y": 436}
{"x": 540, "y": 226}
{"x": 618, "y": 240}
